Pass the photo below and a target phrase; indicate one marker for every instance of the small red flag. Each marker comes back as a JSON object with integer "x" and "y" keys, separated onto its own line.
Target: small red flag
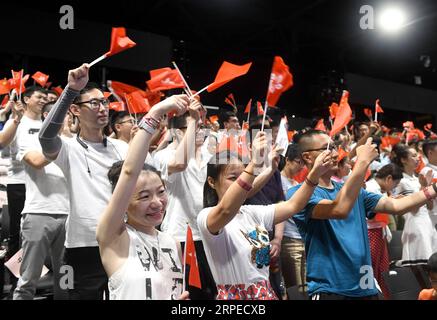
{"x": 342, "y": 154}
{"x": 191, "y": 260}
{"x": 213, "y": 118}
{"x": 378, "y": 108}
{"x": 280, "y": 81}
{"x": 228, "y": 72}
{"x": 119, "y": 42}
{"x": 248, "y": 106}
{"x": 164, "y": 79}
{"x": 136, "y": 103}
{"x": 259, "y": 108}
{"x": 228, "y": 143}
{"x": 107, "y": 94}
{"x": 5, "y": 100}
{"x": 117, "y": 106}
{"x": 368, "y": 113}
{"x": 320, "y": 125}
{"x": 344, "y": 114}
{"x": 40, "y": 78}
{"x": 333, "y": 109}
{"x": 4, "y": 86}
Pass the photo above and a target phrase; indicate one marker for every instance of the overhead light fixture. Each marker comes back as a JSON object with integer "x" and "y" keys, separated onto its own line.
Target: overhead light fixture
{"x": 392, "y": 19}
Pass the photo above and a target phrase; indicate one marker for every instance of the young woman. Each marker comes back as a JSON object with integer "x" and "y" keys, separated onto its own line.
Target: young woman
{"x": 419, "y": 238}
{"x": 236, "y": 237}
{"x": 386, "y": 179}
{"x": 141, "y": 262}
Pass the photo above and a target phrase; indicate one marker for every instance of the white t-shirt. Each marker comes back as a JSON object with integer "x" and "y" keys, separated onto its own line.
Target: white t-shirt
{"x": 239, "y": 254}
{"x": 15, "y": 166}
{"x": 185, "y": 195}
{"x": 46, "y": 188}
{"x": 86, "y": 171}
{"x": 433, "y": 211}
{"x": 140, "y": 277}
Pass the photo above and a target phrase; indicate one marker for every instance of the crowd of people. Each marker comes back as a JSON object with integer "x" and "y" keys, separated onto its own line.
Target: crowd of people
{"x": 111, "y": 197}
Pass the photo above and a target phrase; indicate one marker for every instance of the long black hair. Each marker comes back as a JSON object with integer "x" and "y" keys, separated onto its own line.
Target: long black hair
{"x": 400, "y": 151}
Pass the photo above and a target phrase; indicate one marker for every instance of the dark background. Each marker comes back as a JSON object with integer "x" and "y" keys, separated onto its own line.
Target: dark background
{"x": 320, "y": 40}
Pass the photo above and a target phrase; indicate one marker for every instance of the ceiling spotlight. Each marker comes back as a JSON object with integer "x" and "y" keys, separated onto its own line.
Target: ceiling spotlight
{"x": 392, "y": 19}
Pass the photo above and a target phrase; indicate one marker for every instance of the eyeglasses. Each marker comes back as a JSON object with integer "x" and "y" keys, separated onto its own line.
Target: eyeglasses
{"x": 95, "y": 104}
{"x": 332, "y": 147}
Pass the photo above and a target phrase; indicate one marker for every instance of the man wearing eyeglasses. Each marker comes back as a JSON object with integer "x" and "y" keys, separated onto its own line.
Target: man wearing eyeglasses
{"x": 123, "y": 126}
{"x": 85, "y": 161}
{"x": 333, "y": 224}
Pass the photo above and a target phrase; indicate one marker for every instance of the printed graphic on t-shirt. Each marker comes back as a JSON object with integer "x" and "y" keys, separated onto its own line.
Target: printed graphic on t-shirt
{"x": 161, "y": 269}
{"x": 259, "y": 240}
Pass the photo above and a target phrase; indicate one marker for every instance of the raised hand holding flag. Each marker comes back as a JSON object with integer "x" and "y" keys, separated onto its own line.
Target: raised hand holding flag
{"x": 119, "y": 42}
{"x": 378, "y": 109}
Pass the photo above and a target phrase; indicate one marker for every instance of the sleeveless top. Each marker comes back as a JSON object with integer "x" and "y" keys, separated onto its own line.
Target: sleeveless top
{"x": 152, "y": 271}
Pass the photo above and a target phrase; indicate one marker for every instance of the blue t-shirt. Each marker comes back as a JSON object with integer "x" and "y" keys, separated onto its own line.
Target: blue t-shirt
{"x": 337, "y": 250}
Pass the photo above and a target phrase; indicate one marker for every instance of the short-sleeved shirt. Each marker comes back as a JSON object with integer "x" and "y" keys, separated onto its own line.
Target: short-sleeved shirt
{"x": 338, "y": 254}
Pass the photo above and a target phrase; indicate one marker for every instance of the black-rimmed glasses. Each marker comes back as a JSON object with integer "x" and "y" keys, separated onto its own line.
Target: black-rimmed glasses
{"x": 95, "y": 104}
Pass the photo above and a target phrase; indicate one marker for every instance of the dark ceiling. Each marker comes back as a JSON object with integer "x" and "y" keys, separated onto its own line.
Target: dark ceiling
{"x": 319, "y": 39}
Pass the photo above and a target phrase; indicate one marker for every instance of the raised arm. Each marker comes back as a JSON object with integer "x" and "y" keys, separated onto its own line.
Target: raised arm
{"x": 285, "y": 210}
{"x": 48, "y": 136}
{"x": 7, "y": 135}
{"x": 340, "y": 207}
{"x": 185, "y": 150}
{"x": 111, "y": 224}
{"x": 235, "y": 196}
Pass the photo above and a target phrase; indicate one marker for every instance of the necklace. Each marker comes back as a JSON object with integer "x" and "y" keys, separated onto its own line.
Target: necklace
{"x": 156, "y": 259}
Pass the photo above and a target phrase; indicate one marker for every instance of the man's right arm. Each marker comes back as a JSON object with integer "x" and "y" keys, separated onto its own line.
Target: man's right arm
{"x": 340, "y": 207}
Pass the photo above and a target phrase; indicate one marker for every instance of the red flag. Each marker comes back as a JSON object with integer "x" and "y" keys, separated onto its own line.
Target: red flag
{"x": 301, "y": 175}
{"x": 107, "y": 94}
{"x": 420, "y": 165}
{"x": 16, "y": 80}
{"x": 344, "y": 114}
{"x": 136, "y": 103}
{"x": 342, "y": 154}
{"x": 320, "y": 125}
{"x": 280, "y": 81}
{"x": 290, "y": 135}
{"x": 5, "y": 100}
{"x": 48, "y": 84}
{"x": 378, "y": 108}
{"x": 58, "y": 90}
{"x": 4, "y": 86}
{"x": 119, "y": 42}
{"x": 213, "y": 118}
{"x": 243, "y": 149}
{"x": 228, "y": 72}
{"x": 191, "y": 260}
{"x": 231, "y": 100}
{"x": 248, "y": 106}
{"x": 259, "y": 108}
{"x": 164, "y": 79}
{"x": 368, "y": 113}
{"x": 333, "y": 109}
{"x": 117, "y": 106}
{"x": 228, "y": 143}
{"x": 40, "y": 78}
{"x": 389, "y": 141}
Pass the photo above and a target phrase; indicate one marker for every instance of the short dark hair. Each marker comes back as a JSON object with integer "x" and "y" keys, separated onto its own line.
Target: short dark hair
{"x": 116, "y": 117}
{"x": 31, "y": 90}
{"x": 52, "y": 92}
{"x": 178, "y": 122}
{"x": 115, "y": 172}
{"x": 47, "y": 107}
{"x": 301, "y": 137}
{"x": 432, "y": 263}
{"x": 390, "y": 169}
{"x": 89, "y": 87}
{"x": 225, "y": 116}
{"x": 400, "y": 151}
{"x": 293, "y": 152}
{"x": 428, "y": 145}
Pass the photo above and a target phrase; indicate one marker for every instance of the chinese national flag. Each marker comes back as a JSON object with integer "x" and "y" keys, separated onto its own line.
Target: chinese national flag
{"x": 119, "y": 42}
{"x": 378, "y": 108}
{"x": 333, "y": 109}
{"x": 4, "y": 86}
{"x": 344, "y": 114}
{"x": 280, "y": 81}
{"x": 368, "y": 113}
{"x": 16, "y": 80}
{"x": 259, "y": 108}
{"x": 228, "y": 72}
{"x": 248, "y": 106}
{"x": 230, "y": 100}
{"x": 40, "y": 78}
{"x": 320, "y": 125}
{"x": 117, "y": 106}
{"x": 137, "y": 103}
{"x": 389, "y": 141}
{"x": 213, "y": 118}
{"x": 191, "y": 260}
{"x": 164, "y": 79}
